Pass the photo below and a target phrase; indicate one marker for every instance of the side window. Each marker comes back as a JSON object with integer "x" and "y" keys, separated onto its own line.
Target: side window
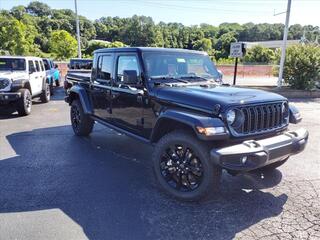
{"x": 128, "y": 69}
{"x": 31, "y": 66}
{"x": 104, "y": 68}
{"x": 46, "y": 64}
{"x": 41, "y": 66}
{"x": 37, "y": 66}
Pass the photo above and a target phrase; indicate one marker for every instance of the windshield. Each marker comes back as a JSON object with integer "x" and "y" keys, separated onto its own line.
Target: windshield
{"x": 175, "y": 65}
{"x": 80, "y": 64}
{"x": 12, "y": 64}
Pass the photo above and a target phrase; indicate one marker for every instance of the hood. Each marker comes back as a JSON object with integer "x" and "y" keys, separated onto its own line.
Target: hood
{"x": 206, "y": 97}
{"x": 13, "y": 75}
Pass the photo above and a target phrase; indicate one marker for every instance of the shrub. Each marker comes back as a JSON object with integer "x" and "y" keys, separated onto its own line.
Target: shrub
{"x": 259, "y": 54}
{"x": 302, "y": 66}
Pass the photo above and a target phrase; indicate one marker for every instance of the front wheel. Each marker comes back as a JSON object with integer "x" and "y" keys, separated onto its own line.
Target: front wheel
{"x": 81, "y": 123}
{"x": 24, "y": 103}
{"x": 183, "y": 168}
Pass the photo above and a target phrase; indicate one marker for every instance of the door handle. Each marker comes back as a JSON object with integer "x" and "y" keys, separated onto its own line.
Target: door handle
{"x": 139, "y": 99}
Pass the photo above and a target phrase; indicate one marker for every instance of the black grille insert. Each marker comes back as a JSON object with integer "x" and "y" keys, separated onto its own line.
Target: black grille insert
{"x": 4, "y": 83}
{"x": 261, "y": 118}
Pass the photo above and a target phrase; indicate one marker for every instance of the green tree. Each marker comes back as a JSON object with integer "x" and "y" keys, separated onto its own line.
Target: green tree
{"x": 204, "y": 44}
{"x": 222, "y": 45}
{"x": 63, "y": 45}
{"x": 39, "y": 9}
{"x": 16, "y": 37}
{"x": 96, "y": 44}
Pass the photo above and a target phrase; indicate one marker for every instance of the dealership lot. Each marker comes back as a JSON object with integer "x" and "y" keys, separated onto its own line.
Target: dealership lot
{"x": 54, "y": 185}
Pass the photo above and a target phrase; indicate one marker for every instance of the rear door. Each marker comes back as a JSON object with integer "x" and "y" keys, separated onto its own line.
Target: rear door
{"x": 38, "y": 77}
{"x": 100, "y": 89}
{"x": 33, "y": 77}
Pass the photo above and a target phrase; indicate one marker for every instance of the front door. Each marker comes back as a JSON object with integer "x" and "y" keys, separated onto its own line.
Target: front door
{"x": 101, "y": 86}
{"x": 127, "y": 96}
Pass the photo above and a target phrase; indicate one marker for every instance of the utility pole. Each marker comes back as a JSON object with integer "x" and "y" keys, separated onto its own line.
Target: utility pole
{"x": 284, "y": 44}
{"x": 78, "y": 29}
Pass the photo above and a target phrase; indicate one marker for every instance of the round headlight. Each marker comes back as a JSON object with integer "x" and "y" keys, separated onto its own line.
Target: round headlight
{"x": 231, "y": 116}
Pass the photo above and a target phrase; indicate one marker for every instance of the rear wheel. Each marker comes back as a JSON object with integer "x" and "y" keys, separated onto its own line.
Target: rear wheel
{"x": 183, "y": 168}
{"x": 24, "y": 103}
{"x": 45, "y": 95}
{"x": 81, "y": 123}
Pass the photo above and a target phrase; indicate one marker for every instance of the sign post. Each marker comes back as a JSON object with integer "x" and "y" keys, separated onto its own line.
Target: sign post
{"x": 237, "y": 50}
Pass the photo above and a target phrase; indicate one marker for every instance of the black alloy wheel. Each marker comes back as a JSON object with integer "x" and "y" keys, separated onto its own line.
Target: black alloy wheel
{"x": 82, "y": 124}
{"x": 181, "y": 168}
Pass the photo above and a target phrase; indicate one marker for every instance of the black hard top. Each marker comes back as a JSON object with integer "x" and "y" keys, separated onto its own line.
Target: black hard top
{"x": 147, "y": 49}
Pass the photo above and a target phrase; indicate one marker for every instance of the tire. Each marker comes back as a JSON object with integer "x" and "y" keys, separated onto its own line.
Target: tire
{"x": 57, "y": 82}
{"x": 170, "y": 167}
{"x": 273, "y": 166}
{"x": 45, "y": 95}
{"x": 51, "y": 89}
{"x": 24, "y": 103}
{"x": 82, "y": 124}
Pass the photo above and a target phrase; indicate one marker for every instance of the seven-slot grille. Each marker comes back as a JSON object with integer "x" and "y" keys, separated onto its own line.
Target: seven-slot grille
{"x": 4, "y": 83}
{"x": 262, "y": 118}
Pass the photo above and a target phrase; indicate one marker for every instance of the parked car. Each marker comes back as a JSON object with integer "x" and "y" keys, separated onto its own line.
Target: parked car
{"x": 52, "y": 72}
{"x": 21, "y": 79}
{"x": 77, "y": 65}
{"x": 174, "y": 100}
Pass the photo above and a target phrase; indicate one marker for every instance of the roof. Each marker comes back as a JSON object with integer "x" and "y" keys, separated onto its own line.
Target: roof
{"x": 147, "y": 49}
{"x": 24, "y": 57}
{"x": 80, "y": 59}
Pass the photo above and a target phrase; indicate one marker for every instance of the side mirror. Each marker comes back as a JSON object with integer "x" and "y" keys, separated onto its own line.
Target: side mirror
{"x": 130, "y": 77}
{"x": 31, "y": 70}
{"x": 220, "y": 75}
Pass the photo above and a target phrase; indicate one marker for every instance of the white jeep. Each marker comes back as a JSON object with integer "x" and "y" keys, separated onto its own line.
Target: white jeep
{"x": 21, "y": 79}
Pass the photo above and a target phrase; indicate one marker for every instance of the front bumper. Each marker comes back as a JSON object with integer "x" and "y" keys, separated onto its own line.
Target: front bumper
{"x": 252, "y": 154}
{"x": 6, "y": 97}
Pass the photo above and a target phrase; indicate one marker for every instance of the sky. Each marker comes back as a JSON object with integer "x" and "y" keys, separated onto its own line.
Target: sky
{"x": 192, "y": 12}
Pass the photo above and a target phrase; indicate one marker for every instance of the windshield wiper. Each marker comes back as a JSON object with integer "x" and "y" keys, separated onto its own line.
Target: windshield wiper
{"x": 169, "y": 78}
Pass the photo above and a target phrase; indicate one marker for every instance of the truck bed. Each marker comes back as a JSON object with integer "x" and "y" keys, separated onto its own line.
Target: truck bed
{"x": 78, "y": 75}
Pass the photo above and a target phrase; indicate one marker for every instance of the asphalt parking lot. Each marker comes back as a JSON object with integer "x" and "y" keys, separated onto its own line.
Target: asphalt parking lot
{"x": 54, "y": 185}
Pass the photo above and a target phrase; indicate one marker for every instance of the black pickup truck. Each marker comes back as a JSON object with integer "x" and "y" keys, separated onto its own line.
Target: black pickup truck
{"x": 175, "y": 100}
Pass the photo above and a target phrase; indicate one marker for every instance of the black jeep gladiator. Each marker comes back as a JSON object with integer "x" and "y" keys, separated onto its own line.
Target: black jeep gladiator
{"x": 175, "y": 100}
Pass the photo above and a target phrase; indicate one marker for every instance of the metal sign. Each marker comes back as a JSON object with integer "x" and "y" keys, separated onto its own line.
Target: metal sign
{"x": 236, "y": 50}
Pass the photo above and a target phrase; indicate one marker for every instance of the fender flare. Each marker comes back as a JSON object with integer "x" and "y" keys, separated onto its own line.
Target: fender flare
{"x": 81, "y": 93}
{"x": 192, "y": 120}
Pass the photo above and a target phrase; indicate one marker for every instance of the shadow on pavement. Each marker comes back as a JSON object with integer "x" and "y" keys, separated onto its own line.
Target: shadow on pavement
{"x": 9, "y": 111}
{"x": 104, "y": 183}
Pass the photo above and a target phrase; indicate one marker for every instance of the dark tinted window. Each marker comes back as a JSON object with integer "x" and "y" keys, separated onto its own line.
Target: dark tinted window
{"x": 8, "y": 64}
{"x": 41, "y": 66}
{"x": 37, "y": 66}
{"x": 46, "y": 64}
{"x": 104, "y": 69}
{"x": 80, "y": 64}
{"x": 31, "y": 66}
